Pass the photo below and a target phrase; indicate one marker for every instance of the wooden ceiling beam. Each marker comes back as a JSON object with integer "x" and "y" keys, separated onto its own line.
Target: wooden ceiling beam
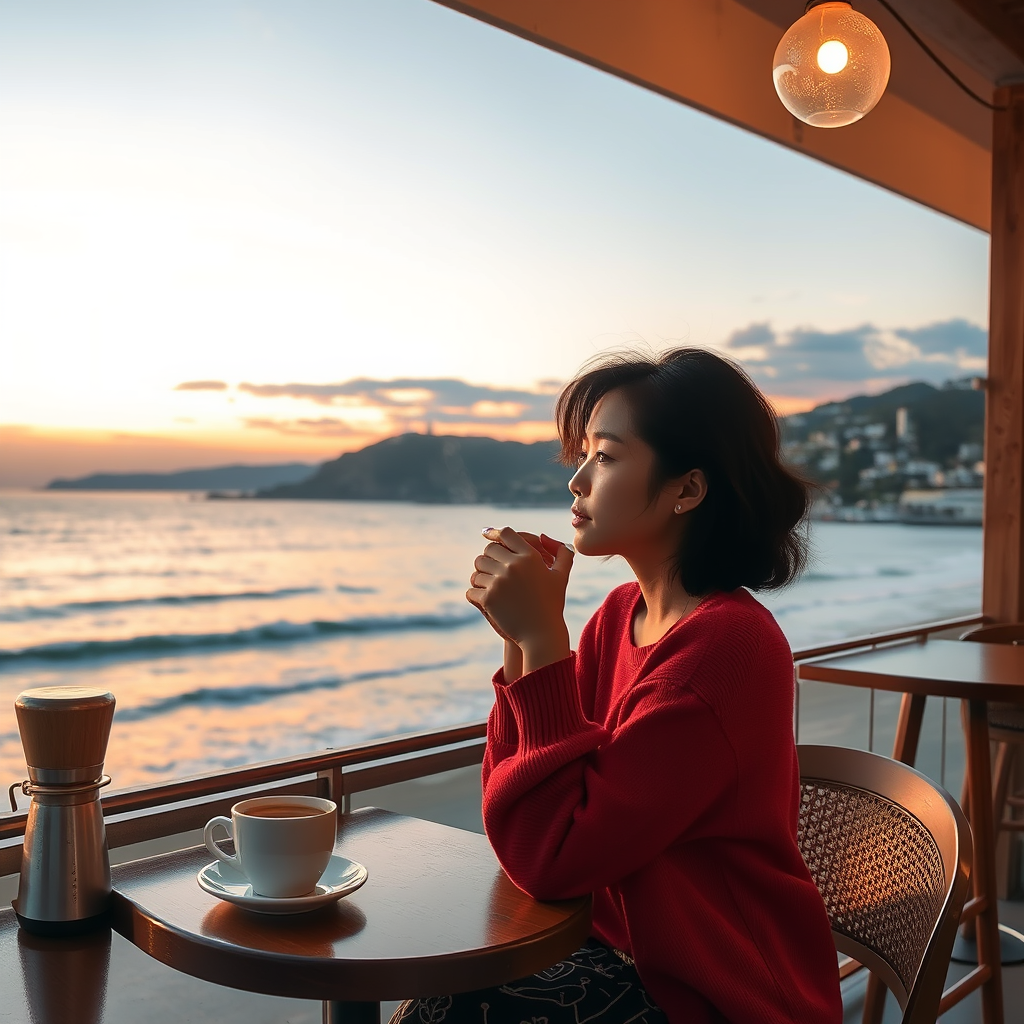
{"x": 1002, "y": 29}
{"x": 715, "y": 55}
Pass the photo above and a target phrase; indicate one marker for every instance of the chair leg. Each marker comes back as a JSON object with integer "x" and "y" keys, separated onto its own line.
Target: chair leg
{"x": 965, "y": 789}
{"x": 908, "y": 733}
{"x": 1007, "y": 810}
{"x": 1002, "y": 772}
{"x": 1001, "y": 783}
{"x": 967, "y": 930}
{"x": 983, "y": 873}
{"x": 874, "y": 1000}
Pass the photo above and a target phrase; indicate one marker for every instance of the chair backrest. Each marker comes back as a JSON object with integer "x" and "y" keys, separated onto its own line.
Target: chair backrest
{"x": 890, "y": 852}
{"x": 1005, "y": 633}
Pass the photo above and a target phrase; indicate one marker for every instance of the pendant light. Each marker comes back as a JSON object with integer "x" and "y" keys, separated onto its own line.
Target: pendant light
{"x": 832, "y": 66}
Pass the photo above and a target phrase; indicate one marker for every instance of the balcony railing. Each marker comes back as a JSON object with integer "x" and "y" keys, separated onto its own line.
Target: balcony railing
{"x": 164, "y": 809}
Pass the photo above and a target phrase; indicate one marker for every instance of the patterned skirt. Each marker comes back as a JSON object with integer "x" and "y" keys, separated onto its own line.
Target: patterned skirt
{"x": 596, "y": 983}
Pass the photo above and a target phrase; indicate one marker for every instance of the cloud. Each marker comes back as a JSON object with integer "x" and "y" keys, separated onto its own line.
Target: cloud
{"x": 812, "y": 362}
{"x": 959, "y": 337}
{"x": 325, "y": 426}
{"x": 202, "y": 385}
{"x": 413, "y": 401}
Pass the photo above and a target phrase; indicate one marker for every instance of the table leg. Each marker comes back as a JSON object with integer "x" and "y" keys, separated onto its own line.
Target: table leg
{"x": 984, "y": 870}
{"x": 338, "y": 1012}
{"x": 908, "y": 733}
{"x": 908, "y": 728}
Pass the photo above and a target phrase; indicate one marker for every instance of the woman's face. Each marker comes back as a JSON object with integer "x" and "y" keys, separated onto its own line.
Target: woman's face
{"x": 613, "y": 513}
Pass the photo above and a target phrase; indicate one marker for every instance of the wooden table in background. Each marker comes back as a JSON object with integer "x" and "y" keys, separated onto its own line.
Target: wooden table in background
{"x": 975, "y": 674}
{"x": 436, "y": 915}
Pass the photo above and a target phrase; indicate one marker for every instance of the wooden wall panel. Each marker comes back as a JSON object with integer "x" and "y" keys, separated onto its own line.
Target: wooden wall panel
{"x": 1003, "y": 588}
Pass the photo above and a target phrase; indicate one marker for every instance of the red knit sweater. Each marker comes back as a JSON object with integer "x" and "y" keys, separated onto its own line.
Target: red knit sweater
{"x": 664, "y": 780}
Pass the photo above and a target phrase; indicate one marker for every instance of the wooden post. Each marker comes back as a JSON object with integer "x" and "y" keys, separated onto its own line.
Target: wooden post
{"x": 1003, "y": 573}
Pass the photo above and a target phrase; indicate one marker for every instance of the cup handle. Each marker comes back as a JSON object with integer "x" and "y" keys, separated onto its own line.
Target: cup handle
{"x": 213, "y": 847}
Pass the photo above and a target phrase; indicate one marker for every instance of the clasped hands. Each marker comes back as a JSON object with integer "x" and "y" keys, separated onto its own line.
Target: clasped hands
{"x": 518, "y": 583}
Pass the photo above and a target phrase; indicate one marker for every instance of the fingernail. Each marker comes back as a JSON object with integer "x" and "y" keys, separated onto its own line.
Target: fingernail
{"x": 486, "y": 530}
{"x": 572, "y": 550}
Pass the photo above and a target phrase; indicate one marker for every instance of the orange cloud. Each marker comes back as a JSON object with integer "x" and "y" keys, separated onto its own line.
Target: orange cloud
{"x": 202, "y": 385}
{"x": 31, "y": 457}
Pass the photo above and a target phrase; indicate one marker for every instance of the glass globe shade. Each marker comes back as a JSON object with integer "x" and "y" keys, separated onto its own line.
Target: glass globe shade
{"x": 831, "y": 67}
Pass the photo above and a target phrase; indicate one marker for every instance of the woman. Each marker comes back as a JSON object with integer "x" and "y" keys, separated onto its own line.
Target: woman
{"x": 656, "y": 767}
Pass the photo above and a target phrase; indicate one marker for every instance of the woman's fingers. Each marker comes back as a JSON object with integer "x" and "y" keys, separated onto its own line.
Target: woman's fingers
{"x": 518, "y": 584}
{"x": 484, "y": 563}
{"x": 475, "y": 596}
{"x": 537, "y": 543}
{"x": 500, "y": 554}
{"x": 507, "y": 537}
{"x": 551, "y": 545}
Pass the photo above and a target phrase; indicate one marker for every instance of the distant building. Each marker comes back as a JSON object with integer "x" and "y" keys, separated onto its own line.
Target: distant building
{"x": 902, "y": 424}
{"x": 930, "y": 471}
{"x": 961, "y": 507}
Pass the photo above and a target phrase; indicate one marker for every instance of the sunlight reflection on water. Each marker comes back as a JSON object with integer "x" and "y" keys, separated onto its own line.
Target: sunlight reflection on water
{"x": 233, "y": 632}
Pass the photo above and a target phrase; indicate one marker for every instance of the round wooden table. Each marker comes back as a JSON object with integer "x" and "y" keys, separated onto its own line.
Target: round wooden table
{"x": 436, "y": 915}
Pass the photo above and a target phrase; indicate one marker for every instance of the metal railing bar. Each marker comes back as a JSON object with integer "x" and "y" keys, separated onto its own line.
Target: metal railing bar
{"x": 398, "y": 752}
{"x": 271, "y": 771}
{"x": 871, "y": 722}
{"x": 877, "y": 639}
{"x": 187, "y": 810}
{"x": 367, "y": 765}
{"x": 942, "y": 747}
{"x": 358, "y": 780}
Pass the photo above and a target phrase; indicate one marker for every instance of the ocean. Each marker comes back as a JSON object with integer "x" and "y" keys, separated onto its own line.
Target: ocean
{"x": 237, "y": 631}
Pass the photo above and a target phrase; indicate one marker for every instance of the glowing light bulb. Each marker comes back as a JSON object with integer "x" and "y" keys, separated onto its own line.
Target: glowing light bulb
{"x": 833, "y": 56}
{"x": 832, "y": 66}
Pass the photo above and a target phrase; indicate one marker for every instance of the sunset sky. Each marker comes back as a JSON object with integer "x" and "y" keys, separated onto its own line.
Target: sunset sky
{"x": 256, "y": 231}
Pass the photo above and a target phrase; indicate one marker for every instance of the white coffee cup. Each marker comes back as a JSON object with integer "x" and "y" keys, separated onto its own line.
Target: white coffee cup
{"x": 282, "y": 843}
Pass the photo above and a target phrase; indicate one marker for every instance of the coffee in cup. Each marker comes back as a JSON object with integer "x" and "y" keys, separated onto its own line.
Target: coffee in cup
{"x": 282, "y": 843}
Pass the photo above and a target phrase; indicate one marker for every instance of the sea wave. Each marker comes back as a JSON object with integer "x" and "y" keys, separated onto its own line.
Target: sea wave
{"x": 255, "y": 693}
{"x": 60, "y": 611}
{"x": 853, "y": 573}
{"x": 269, "y": 633}
{"x": 927, "y": 586}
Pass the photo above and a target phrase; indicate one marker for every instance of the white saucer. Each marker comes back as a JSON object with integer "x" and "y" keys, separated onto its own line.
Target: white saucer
{"x": 226, "y": 883}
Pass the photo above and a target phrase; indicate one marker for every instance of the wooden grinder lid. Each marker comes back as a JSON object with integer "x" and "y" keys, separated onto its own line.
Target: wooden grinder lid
{"x": 64, "y": 726}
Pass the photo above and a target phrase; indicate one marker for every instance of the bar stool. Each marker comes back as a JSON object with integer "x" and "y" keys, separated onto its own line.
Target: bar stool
{"x": 1006, "y": 727}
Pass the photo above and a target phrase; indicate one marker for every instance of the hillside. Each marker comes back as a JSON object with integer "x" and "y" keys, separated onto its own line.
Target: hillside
{"x": 944, "y": 418}
{"x": 860, "y": 448}
{"x": 873, "y": 447}
{"x": 432, "y": 469}
{"x": 217, "y": 478}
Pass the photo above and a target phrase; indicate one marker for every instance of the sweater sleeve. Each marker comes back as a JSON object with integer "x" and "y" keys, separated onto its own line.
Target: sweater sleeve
{"x": 502, "y": 731}
{"x": 578, "y": 807}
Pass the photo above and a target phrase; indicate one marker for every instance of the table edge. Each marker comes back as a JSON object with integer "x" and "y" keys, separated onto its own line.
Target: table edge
{"x": 217, "y": 961}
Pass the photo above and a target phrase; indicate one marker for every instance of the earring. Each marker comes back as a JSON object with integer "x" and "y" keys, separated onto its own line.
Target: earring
{"x": 679, "y": 508}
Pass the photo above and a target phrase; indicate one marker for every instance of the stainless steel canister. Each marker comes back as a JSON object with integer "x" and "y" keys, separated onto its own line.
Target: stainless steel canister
{"x": 65, "y": 869}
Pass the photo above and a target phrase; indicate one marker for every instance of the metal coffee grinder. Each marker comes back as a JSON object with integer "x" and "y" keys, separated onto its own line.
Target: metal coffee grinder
{"x": 65, "y": 869}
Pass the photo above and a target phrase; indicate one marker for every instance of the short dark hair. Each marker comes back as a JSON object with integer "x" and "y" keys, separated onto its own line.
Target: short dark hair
{"x": 698, "y": 410}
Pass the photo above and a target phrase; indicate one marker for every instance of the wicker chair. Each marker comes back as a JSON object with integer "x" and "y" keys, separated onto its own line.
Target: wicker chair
{"x": 1005, "y": 727}
{"x": 890, "y": 853}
